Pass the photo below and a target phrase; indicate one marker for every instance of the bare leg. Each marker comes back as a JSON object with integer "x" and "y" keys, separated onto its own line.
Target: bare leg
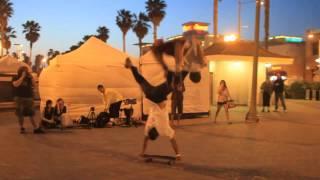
{"x": 33, "y": 122}
{"x": 21, "y": 121}
{"x": 172, "y": 120}
{"x": 217, "y": 113}
{"x": 227, "y": 112}
{"x": 178, "y": 119}
{"x": 178, "y": 53}
{"x": 175, "y": 147}
{"x": 145, "y": 145}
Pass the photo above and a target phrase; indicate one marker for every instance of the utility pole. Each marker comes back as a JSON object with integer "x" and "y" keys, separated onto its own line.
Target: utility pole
{"x": 239, "y": 19}
{"x": 252, "y": 114}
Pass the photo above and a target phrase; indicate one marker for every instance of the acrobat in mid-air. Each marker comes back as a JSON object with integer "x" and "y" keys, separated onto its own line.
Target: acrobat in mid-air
{"x": 189, "y": 60}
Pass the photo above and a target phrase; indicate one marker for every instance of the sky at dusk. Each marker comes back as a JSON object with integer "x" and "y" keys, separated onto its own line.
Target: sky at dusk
{"x": 65, "y": 22}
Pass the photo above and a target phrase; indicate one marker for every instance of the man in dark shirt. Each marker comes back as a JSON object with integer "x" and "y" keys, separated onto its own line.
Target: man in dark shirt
{"x": 278, "y": 86}
{"x": 23, "y": 85}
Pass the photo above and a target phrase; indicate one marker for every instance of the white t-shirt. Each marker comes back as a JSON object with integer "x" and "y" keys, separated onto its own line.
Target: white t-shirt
{"x": 159, "y": 118}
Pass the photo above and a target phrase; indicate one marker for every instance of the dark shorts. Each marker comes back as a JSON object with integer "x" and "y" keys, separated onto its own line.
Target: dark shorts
{"x": 221, "y": 103}
{"x": 24, "y": 107}
{"x": 114, "y": 109}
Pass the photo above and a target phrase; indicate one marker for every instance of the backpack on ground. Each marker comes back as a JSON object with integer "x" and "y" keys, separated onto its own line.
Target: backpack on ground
{"x": 102, "y": 120}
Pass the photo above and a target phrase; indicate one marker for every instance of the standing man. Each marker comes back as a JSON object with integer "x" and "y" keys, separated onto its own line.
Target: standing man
{"x": 177, "y": 100}
{"x": 23, "y": 85}
{"x": 112, "y": 101}
{"x": 266, "y": 88}
{"x": 278, "y": 86}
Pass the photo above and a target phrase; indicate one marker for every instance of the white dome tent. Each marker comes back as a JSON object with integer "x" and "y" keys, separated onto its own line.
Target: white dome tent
{"x": 74, "y": 77}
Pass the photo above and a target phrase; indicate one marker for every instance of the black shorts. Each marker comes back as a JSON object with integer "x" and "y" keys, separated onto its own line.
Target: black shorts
{"x": 114, "y": 109}
{"x": 221, "y": 103}
{"x": 24, "y": 107}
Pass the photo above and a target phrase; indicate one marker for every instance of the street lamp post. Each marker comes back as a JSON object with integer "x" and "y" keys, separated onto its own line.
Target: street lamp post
{"x": 211, "y": 89}
{"x": 252, "y": 114}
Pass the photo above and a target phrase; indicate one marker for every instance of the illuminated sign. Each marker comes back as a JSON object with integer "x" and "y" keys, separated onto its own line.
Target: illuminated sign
{"x": 195, "y": 27}
{"x": 288, "y": 39}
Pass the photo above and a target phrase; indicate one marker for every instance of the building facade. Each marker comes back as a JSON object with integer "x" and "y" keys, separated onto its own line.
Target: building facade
{"x": 293, "y": 47}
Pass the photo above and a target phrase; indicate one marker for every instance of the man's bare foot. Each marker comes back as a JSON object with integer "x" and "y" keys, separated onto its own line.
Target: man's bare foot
{"x": 128, "y": 63}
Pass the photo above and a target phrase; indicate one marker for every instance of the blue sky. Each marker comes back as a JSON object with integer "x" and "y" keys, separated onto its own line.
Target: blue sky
{"x": 65, "y": 22}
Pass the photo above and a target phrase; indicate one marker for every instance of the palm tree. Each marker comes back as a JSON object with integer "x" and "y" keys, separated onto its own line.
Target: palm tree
{"x": 10, "y": 33}
{"x": 6, "y": 11}
{"x": 140, "y": 27}
{"x": 31, "y": 29}
{"x": 52, "y": 54}
{"x": 215, "y": 17}
{"x": 36, "y": 68}
{"x": 156, "y": 13}
{"x": 103, "y": 33}
{"x": 124, "y": 21}
{"x": 84, "y": 39}
{"x": 266, "y": 22}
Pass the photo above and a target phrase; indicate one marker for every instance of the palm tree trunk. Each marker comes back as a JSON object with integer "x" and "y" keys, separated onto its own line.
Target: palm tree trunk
{"x": 1, "y": 41}
{"x": 267, "y": 23}
{"x": 215, "y": 19}
{"x": 140, "y": 69}
{"x": 140, "y": 47}
{"x": 30, "y": 55}
{"x": 123, "y": 42}
{"x": 154, "y": 32}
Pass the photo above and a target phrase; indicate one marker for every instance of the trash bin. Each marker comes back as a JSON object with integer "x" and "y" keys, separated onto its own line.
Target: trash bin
{"x": 307, "y": 94}
{"x": 314, "y": 94}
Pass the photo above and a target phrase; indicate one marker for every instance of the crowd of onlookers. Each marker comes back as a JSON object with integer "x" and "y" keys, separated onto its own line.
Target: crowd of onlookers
{"x": 52, "y": 116}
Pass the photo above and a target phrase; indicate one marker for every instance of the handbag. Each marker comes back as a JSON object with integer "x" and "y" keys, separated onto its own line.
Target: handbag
{"x": 231, "y": 104}
{"x": 153, "y": 134}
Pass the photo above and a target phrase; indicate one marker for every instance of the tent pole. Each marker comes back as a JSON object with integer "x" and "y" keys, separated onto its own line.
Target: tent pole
{"x": 252, "y": 114}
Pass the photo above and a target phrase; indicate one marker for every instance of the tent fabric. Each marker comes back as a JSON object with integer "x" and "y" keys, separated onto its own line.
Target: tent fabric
{"x": 74, "y": 77}
{"x": 10, "y": 65}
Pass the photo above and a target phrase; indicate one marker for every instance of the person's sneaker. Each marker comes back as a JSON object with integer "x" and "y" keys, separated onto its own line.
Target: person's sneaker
{"x": 38, "y": 131}
{"x": 22, "y": 130}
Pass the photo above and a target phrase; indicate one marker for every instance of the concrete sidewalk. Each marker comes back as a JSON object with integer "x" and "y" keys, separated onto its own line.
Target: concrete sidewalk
{"x": 281, "y": 146}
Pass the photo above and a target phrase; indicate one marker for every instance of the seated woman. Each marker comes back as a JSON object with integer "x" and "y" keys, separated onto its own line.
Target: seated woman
{"x": 60, "y": 111}
{"x": 47, "y": 115}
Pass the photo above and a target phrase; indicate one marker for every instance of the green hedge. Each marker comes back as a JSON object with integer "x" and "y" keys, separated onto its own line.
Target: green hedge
{"x": 297, "y": 90}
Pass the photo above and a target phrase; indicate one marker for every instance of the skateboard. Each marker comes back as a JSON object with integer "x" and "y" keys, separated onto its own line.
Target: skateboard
{"x": 170, "y": 160}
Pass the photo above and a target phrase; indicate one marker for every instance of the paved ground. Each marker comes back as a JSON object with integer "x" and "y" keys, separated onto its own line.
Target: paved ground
{"x": 281, "y": 146}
